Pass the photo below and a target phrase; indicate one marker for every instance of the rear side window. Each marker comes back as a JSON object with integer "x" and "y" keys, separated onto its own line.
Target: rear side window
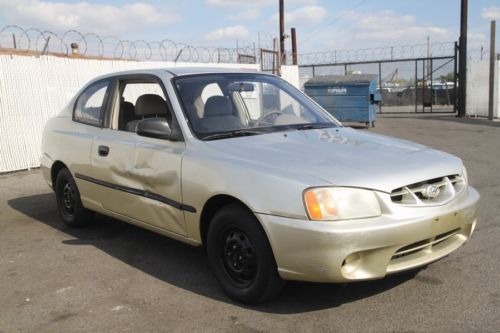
{"x": 89, "y": 108}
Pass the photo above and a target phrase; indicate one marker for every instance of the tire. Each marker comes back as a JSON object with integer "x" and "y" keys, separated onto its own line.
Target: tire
{"x": 69, "y": 204}
{"x": 241, "y": 257}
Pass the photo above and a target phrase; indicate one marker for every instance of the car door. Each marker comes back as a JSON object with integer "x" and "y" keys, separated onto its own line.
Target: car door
{"x": 158, "y": 169}
{"x": 140, "y": 177}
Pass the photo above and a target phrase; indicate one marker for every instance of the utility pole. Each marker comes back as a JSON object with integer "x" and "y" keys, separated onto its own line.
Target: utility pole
{"x": 294, "y": 47}
{"x": 462, "y": 66}
{"x": 282, "y": 32}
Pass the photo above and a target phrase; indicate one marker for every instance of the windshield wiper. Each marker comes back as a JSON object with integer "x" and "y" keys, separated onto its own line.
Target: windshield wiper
{"x": 232, "y": 134}
{"x": 312, "y": 126}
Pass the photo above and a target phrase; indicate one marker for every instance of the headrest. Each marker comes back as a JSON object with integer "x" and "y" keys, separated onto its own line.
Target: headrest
{"x": 127, "y": 108}
{"x": 150, "y": 104}
{"x": 217, "y": 106}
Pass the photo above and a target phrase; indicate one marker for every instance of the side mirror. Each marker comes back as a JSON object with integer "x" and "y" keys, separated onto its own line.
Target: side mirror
{"x": 155, "y": 128}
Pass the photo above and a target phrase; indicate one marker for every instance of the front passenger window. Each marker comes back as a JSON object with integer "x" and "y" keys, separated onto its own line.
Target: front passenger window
{"x": 140, "y": 100}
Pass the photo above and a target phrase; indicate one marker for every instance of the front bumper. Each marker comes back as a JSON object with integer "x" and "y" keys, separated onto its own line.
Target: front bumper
{"x": 342, "y": 251}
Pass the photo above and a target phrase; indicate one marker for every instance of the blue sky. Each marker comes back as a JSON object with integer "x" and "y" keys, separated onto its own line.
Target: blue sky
{"x": 321, "y": 24}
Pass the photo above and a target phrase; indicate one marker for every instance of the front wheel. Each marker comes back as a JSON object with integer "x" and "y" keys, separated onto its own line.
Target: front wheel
{"x": 241, "y": 257}
{"x": 69, "y": 205}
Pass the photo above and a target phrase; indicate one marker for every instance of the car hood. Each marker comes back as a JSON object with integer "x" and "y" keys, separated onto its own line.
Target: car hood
{"x": 343, "y": 157}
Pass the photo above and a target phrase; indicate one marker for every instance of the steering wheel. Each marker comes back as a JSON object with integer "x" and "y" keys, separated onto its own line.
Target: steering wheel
{"x": 265, "y": 115}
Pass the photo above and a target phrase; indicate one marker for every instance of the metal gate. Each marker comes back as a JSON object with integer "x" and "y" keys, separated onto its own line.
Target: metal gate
{"x": 415, "y": 85}
{"x": 246, "y": 59}
{"x": 269, "y": 61}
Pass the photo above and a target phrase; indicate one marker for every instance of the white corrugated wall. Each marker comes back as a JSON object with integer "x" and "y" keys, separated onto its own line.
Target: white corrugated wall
{"x": 33, "y": 89}
{"x": 478, "y": 80}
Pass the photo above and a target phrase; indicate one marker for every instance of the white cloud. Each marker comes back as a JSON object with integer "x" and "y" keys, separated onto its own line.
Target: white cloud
{"x": 303, "y": 16}
{"x": 247, "y": 15}
{"x": 225, "y": 3}
{"x": 491, "y": 13}
{"x": 476, "y": 40}
{"x": 234, "y": 32}
{"x": 381, "y": 28}
{"x": 245, "y": 3}
{"x": 84, "y": 16}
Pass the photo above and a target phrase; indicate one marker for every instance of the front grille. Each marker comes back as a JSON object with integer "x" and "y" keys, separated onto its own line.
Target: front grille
{"x": 423, "y": 244}
{"x": 436, "y": 191}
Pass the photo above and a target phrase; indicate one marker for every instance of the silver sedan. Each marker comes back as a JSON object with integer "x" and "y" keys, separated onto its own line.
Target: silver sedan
{"x": 252, "y": 169}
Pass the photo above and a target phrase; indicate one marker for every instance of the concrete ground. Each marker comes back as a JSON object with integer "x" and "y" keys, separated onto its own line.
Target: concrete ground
{"x": 116, "y": 277}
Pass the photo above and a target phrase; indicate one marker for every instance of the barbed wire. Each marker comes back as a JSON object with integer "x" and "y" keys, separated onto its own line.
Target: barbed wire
{"x": 396, "y": 52}
{"x": 386, "y": 53}
{"x": 267, "y": 41}
{"x": 478, "y": 54}
{"x": 19, "y": 39}
{"x": 13, "y": 37}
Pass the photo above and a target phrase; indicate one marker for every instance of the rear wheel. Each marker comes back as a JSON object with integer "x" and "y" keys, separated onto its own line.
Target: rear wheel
{"x": 69, "y": 205}
{"x": 241, "y": 257}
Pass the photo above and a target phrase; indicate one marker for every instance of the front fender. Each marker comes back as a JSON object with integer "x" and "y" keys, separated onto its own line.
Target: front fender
{"x": 263, "y": 189}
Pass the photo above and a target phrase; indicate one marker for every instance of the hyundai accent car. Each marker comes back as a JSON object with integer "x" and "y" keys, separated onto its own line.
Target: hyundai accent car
{"x": 249, "y": 167}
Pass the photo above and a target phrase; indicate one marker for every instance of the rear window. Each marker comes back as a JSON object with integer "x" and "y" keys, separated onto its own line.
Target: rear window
{"x": 89, "y": 107}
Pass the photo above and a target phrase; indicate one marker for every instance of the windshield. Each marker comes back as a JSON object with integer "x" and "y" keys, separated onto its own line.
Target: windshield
{"x": 220, "y": 106}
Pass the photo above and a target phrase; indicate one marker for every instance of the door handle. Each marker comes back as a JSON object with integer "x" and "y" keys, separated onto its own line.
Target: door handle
{"x": 103, "y": 150}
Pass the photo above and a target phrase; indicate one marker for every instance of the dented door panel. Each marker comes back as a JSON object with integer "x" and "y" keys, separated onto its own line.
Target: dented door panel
{"x": 115, "y": 169}
{"x": 139, "y": 178}
{"x": 158, "y": 169}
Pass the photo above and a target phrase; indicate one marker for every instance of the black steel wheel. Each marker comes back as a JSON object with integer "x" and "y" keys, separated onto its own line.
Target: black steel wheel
{"x": 238, "y": 256}
{"x": 68, "y": 199}
{"x": 241, "y": 257}
{"x": 69, "y": 205}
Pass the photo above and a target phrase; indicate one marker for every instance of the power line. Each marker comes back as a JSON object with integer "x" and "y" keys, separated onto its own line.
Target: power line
{"x": 335, "y": 20}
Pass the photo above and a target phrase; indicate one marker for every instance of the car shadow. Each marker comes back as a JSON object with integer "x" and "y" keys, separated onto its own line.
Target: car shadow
{"x": 186, "y": 267}
{"x": 446, "y": 118}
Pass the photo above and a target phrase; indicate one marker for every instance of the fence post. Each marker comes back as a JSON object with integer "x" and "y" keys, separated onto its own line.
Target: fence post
{"x": 294, "y": 47}
{"x": 46, "y": 46}
{"x": 493, "y": 69}
{"x": 416, "y": 85}
{"x": 455, "y": 77}
{"x": 423, "y": 86}
{"x": 261, "y": 60}
{"x": 380, "y": 84}
{"x": 432, "y": 90}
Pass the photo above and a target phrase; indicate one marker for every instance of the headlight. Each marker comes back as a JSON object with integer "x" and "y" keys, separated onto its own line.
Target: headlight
{"x": 340, "y": 203}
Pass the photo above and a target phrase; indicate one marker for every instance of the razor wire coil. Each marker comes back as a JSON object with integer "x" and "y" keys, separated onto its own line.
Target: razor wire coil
{"x": 14, "y": 37}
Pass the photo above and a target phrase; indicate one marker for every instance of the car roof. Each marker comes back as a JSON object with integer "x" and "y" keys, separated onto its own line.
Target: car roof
{"x": 178, "y": 71}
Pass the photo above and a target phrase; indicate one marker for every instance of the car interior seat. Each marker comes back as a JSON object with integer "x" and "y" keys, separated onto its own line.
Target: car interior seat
{"x": 126, "y": 115}
{"x": 218, "y": 116}
{"x": 149, "y": 106}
